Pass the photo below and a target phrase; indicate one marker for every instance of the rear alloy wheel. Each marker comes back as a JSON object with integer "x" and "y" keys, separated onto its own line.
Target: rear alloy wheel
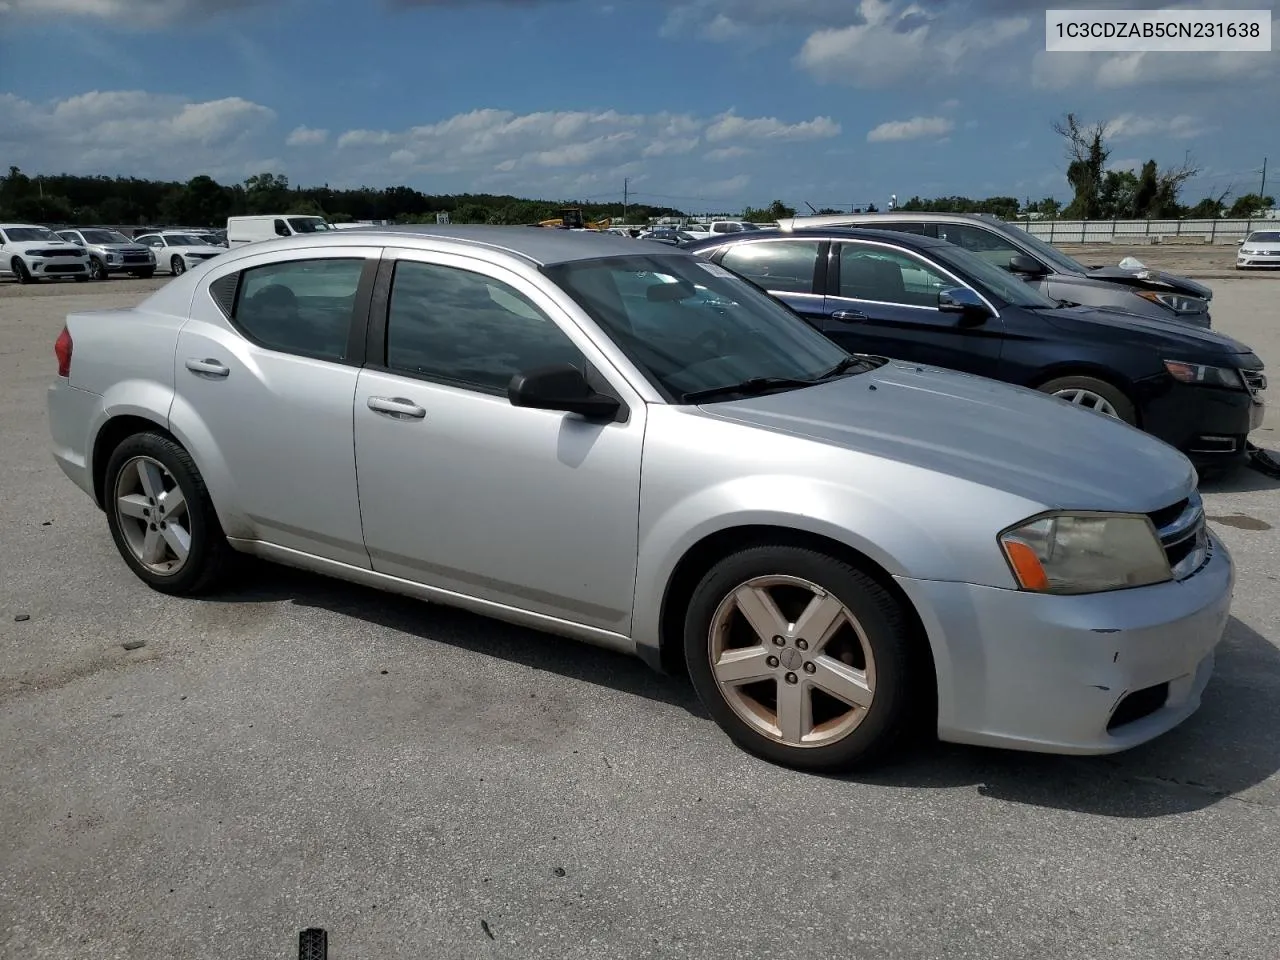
{"x": 177, "y": 266}
{"x": 97, "y": 270}
{"x": 1093, "y": 394}
{"x": 161, "y": 517}
{"x": 802, "y": 659}
{"x": 20, "y": 270}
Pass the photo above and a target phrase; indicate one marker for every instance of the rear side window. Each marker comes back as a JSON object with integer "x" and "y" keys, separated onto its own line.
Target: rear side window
{"x": 300, "y": 306}
{"x": 785, "y": 266}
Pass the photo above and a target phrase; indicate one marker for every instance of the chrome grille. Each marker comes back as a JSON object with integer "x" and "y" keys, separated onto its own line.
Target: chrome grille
{"x": 1183, "y": 534}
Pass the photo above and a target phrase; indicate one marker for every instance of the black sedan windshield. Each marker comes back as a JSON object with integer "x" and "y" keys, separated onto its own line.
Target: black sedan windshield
{"x": 990, "y": 279}
{"x": 692, "y": 326}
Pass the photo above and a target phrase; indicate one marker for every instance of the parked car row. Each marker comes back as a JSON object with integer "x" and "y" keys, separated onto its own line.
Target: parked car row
{"x": 912, "y": 297}
{"x": 633, "y": 445}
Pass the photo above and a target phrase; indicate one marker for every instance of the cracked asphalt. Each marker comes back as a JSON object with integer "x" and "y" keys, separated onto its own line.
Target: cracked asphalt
{"x": 424, "y": 783}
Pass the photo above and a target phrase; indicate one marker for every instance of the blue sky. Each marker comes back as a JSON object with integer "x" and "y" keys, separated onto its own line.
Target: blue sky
{"x": 703, "y": 104}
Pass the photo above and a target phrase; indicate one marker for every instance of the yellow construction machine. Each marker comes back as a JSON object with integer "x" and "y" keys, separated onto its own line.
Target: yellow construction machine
{"x": 571, "y": 219}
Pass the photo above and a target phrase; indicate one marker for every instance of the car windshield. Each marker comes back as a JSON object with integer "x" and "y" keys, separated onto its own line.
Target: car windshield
{"x": 183, "y": 240}
{"x": 308, "y": 224}
{"x": 1264, "y": 236}
{"x": 1048, "y": 252}
{"x": 21, "y": 234}
{"x": 693, "y": 326}
{"x": 990, "y": 279}
{"x": 103, "y": 236}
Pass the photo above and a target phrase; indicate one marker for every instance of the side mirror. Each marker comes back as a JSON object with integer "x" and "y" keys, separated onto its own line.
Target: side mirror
{"x": 1240, "y": 242}
{"x": 965, "y": 302}
{"x": 560, "y": 386}
{"x": 1021, "y": 263}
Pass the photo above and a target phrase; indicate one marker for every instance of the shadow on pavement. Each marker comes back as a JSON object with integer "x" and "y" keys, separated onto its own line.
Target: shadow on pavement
{"x": 1232, "y": 744}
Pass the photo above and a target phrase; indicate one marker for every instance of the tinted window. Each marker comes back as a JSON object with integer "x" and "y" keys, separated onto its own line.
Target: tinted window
{"x": 302, "y": 306}
{"x": 466, "y": 329}
{"x": 995, "y": 282}
{"x": 104, "y": 236}
{"x": 24, "y": 234}
{"x": 690, "y": 325}
{"x": 783, "y": 265}
{"x": 183, "y": 240}
{"x": 988, "y": 245}
{"x": 69, "y": 236}
{"x": 876, "y": 273}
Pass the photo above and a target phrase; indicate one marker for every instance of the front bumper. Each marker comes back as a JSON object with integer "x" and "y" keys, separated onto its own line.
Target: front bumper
{"x": 1209, "y": 424}
{"x": 57, "y": 266}
{"x": 1090, "y": 674}
{"x": 1246, "y": 260}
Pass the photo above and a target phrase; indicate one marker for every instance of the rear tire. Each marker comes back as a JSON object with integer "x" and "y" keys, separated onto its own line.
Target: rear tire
{"x": 150, "y": 477}
{"x": 839, "y": 629}
{"x": 1093, "y": 394}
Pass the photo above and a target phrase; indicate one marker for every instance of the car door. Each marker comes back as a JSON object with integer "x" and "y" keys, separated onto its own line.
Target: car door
{"x": 789, "y": 269}
{"x": 530, "y": 509}
{"x": 883, "y": 299}
{"x": 265, "y": 380}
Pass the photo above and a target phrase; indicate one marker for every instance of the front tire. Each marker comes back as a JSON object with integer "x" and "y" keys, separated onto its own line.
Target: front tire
{"x": 162, "y": 518}
{"x": 802, "y": 659}
{"x": 20, "y": 270}
{"x": 177, "y": 266}
{"x": 1093, "y": 394}
{"x": 97, "y": 269}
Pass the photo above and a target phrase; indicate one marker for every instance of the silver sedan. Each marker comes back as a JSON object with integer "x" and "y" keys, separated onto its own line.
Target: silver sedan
{"x": 638, "y": 449}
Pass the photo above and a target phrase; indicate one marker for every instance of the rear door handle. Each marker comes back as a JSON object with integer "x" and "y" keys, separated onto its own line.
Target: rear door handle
{"x": 397, "y": 407}
{"x": 849, "y": 316}
{"x": 207, "y": 367}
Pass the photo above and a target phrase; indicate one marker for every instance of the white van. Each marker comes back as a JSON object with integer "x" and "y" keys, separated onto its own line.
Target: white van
{"x": 242, "y": 230}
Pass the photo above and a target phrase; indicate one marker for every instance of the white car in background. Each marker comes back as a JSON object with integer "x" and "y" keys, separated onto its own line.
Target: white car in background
{"x": 29, "y": 253}
{"x": 176, "y": 252}
{"x": 1259, "y": 249}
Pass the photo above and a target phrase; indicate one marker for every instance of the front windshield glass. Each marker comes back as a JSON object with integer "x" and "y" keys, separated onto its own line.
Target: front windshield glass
{"x": 1264, "y": 236}
{"x": 308, "y": 224}
{"x": 1051, "y": 253}
{"x": 20, "y": 234}
{"x": 990, "y": 279}
{"x": 690, "y": 325}
{"x": 103, "y": 236}
{"x": 183, "y": 240}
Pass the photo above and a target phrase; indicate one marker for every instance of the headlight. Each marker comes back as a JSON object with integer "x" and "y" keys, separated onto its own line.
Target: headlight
{"x": 1177, "y": 302}
{"x": 1085, "y": 553}
{"x": 1201, "y": 373}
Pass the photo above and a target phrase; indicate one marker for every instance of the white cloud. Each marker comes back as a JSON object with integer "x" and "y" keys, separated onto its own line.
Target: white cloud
{"x": 1180, "y": 127}
{"x": 721, "y": 154}
{"x": 505, "y": 142}
{"x": 144, "y": 14}
{"x": 307, "y": 137}
{"x": 917, "y": 128}
{"x": 730, "y": 126}
{"x": 727, "y": 21}
{"x": 132, "y": 132}
{"x": 900, "y": 41}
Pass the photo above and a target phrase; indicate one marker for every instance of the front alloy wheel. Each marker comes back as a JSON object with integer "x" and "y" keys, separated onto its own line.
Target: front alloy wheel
{"x": 97, "y": 271}
{"x": 802, "y": 658}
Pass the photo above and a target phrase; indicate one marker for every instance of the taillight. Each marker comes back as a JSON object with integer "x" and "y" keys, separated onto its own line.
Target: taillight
{"x": 62, "y": 350}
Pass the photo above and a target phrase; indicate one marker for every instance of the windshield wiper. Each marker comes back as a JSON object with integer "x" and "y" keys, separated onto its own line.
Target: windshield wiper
{"x": 845, "y": 365}
{"x": 751, "y": 387}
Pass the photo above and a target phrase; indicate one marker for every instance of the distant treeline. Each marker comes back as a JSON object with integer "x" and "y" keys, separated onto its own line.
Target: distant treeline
{"x": 202, "y": 201}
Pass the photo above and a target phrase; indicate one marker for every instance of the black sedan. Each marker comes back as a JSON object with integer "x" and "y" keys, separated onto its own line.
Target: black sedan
{"x": 928, "y": 301}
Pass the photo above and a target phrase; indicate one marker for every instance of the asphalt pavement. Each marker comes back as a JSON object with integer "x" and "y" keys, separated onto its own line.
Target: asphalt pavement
{"x": 425, "y": 783}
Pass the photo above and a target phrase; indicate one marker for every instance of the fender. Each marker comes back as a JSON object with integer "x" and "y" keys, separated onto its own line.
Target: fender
{"x": 190, "y": 430}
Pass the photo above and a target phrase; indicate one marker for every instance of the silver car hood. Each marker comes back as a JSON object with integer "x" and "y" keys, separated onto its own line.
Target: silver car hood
{"x": 1008, "y": 438}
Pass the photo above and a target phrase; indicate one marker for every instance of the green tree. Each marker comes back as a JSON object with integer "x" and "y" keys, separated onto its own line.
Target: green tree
{"x": 1250, "y": 205}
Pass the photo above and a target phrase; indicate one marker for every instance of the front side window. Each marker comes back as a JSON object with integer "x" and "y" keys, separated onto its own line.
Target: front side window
{"x": 783, "y": 265}
{"x": 466, "y": 329}
{"x": 689, "y": 325}
{"x": 988, "y": 245}
{"x": 994, "y": 282}
{"x": 69, "y": 236}
{"x": 151, "y": 241}
{"x": 300, "y": 306}
{"x": 888, "y": 276}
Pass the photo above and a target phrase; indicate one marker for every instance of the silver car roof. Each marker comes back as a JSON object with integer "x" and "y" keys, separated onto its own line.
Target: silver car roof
{"x": 894, "y": 216}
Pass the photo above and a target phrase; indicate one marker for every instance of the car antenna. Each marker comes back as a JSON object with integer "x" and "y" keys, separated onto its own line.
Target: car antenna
{"x": 811, "y": 207}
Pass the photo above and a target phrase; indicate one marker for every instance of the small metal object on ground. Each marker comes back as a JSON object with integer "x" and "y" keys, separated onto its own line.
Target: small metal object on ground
{"x": 133, "y": 644}
{"x": 313, "y": 944}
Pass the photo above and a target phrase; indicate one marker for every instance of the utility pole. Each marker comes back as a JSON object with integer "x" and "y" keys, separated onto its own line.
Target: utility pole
{"x": 1262, "y": 190}
{"x": 626, "y": 181}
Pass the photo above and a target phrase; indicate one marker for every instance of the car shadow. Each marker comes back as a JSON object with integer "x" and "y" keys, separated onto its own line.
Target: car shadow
{"x": 1245, "y": 478}
{"x": 1230, "y": 746}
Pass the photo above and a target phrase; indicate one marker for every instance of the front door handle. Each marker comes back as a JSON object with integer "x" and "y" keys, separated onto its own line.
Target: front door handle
{"x": 397, "y": 407}
{"x": 849, "y": 316}
{"x": 207, "y": 367}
